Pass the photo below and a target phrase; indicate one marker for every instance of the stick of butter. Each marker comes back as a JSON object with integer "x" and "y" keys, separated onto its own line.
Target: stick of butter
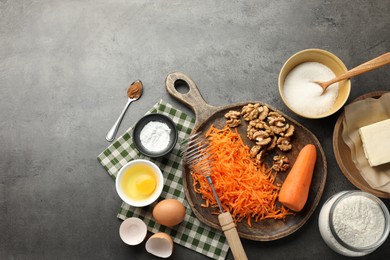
{"x": 376, "y": 142}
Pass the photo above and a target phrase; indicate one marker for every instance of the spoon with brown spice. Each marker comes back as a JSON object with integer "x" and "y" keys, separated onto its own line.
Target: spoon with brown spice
{"x": 133, "y": 93}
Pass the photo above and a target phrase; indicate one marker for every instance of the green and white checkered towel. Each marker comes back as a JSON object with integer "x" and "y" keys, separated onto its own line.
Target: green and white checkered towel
{"x": 191, "y": 233}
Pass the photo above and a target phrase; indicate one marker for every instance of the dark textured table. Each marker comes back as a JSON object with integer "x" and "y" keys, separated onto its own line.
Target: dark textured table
{"x": 64, "y": 70}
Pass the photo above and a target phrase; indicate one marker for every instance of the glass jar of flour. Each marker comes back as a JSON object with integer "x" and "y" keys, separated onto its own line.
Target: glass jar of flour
{"x": 354, "y": 223}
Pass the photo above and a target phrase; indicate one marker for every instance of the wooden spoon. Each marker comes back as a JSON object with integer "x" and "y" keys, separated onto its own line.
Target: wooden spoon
{"x": 375, "y": 63}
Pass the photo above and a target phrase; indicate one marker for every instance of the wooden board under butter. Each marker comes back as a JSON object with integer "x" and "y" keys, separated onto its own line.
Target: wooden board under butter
{"x": 205, "y": 116}
{"x": 344, "y": 157}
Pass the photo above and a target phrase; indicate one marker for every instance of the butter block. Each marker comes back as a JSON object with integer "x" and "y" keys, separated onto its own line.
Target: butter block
{"x": 376, "y": 142}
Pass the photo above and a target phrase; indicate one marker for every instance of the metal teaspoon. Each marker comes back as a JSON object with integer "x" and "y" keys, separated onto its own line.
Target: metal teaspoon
{"x": 133, "y": 93}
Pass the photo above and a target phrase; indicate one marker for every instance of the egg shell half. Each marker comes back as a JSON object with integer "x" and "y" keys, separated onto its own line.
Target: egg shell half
{"x": 169, "y": 212}
{"x": 132, "y": 231}
{"x": 160, "y": 244}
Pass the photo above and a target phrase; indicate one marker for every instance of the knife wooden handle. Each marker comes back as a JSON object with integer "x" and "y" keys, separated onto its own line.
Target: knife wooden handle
{"x": 229, "y": 228}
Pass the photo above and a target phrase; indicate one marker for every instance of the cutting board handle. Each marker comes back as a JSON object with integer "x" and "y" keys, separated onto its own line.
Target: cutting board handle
{"x": 193, "y": 99}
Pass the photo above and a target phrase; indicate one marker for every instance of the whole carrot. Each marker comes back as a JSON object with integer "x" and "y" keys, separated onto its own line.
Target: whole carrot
{"x": 295, "y": 189}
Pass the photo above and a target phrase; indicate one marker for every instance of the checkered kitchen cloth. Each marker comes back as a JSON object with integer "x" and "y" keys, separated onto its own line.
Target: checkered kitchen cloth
{"x": 191, "y": 233}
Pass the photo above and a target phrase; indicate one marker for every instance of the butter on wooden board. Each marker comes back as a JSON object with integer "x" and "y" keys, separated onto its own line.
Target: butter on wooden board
{"x": 376, "y": 142}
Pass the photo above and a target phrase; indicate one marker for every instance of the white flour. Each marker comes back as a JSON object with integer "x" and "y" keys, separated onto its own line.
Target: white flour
{"x": 155, "y": 136}
{"x": 357, "y": 220}
{"x": 303, "y": 95}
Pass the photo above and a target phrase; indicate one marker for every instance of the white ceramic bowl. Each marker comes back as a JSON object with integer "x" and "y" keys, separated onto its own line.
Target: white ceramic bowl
{"x": 149, "y": 199}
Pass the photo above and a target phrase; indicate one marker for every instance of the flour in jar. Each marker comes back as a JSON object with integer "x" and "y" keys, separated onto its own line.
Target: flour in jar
{"x": 354, "y": 223}
{"x": 358, "y": 221}
{"x": 155, "y": 136}
{"x": 303, "y": 95}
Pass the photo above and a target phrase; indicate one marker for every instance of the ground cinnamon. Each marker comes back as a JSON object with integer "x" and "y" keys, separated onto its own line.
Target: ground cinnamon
{"x": 135, "y": 90}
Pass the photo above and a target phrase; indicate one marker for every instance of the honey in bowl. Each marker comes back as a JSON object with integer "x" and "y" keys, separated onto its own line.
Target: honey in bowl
{"x": 139, "y": 183}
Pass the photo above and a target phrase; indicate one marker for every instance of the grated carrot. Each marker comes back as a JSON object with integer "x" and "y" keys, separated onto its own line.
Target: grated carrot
{"x": 245, "y": 189}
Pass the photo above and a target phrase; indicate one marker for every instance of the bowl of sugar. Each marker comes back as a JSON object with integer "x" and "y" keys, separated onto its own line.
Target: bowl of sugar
{"x": 155, "y": 135}
{"x": 304, "y": 97}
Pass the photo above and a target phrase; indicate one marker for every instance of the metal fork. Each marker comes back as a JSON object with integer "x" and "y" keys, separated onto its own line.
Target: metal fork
{"x": 198, "y": 156}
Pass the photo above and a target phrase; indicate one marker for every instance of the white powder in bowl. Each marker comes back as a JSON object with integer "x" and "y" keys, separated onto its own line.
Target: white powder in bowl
{"x": 303, "y": 95}
{"x": 154, "y": 136}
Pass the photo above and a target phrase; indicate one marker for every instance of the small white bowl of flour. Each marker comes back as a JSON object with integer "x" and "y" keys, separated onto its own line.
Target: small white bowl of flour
{"x": 302, "y": 95}
{"x": 155, "y": 135}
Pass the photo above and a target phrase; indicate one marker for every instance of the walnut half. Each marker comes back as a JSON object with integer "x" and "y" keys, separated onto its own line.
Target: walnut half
{"x": 233, "y": 118}
{"x": 262, "y": 138}
{"x": 254, "y": 111}
{"x": 281, "y": 163}
{"x": 284, "y": 144}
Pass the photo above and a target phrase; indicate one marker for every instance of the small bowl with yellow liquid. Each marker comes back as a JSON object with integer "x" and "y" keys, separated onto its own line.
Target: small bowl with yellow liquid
{"x": 139, "y": 183}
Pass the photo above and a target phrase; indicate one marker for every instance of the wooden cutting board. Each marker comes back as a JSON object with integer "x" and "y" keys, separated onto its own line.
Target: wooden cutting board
{"x": 205, "y": 116}
{"x": 345, "y": 158}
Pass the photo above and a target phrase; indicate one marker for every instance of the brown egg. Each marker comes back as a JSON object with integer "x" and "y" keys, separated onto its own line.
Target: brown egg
{"x": 169, "y": 212}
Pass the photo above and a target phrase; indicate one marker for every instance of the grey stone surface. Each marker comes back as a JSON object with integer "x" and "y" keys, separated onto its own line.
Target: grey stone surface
{"x": 64, "y": 70}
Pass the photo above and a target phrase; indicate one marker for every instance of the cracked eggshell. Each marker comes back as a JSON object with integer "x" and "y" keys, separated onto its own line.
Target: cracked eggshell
{"x": 160, "y": 244}
{"x": 132, "y": 231}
